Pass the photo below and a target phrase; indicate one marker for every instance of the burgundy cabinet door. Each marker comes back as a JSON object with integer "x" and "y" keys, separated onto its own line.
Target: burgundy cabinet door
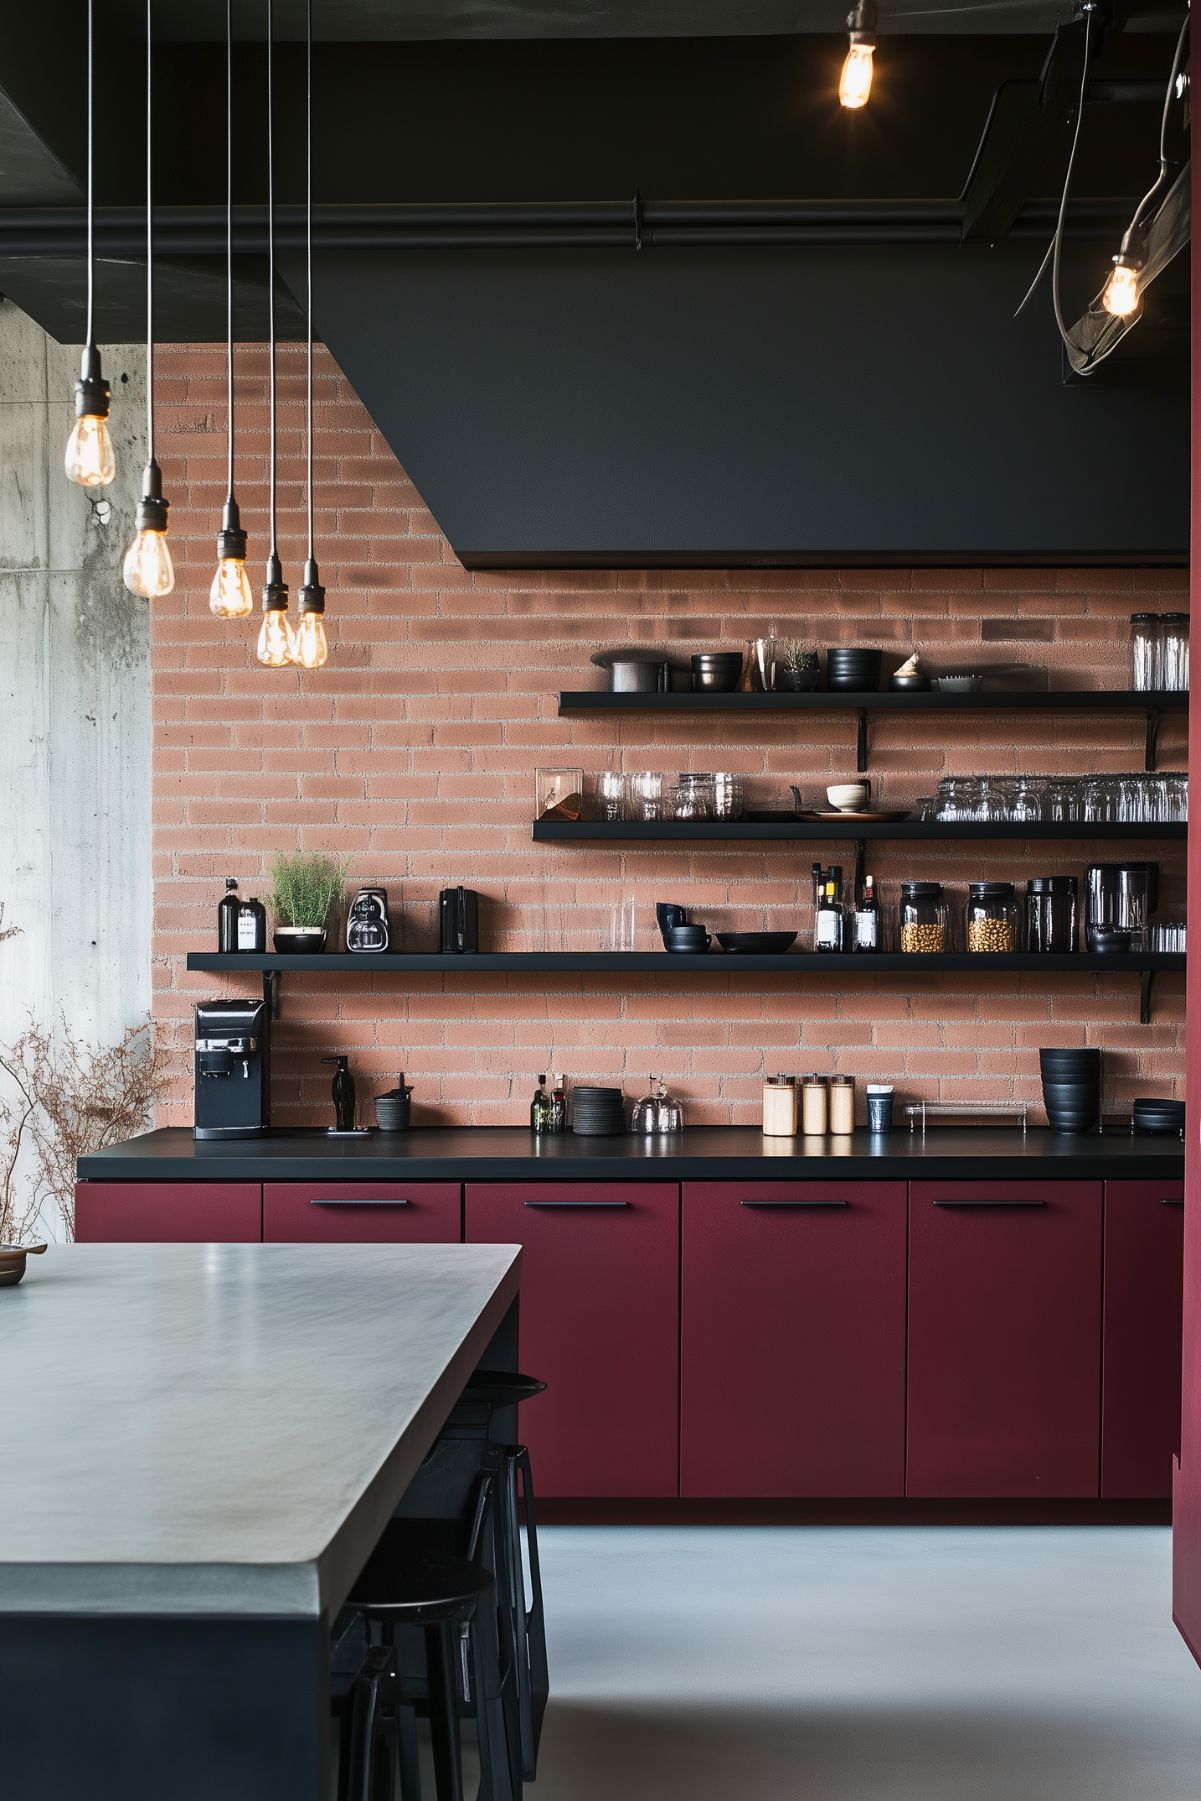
{"x": 1004, "y": 1338}
{"x": 599, "y": 1324}
{"x": 168, "y": 1212}
{"x": 1140, "y": 1374}
{"x": 361, "y": 1212}
{"x": 793, "y": 1338}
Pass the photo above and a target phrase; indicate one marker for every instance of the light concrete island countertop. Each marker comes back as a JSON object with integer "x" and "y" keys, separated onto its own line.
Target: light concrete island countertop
{"x": 224, "y": 1429}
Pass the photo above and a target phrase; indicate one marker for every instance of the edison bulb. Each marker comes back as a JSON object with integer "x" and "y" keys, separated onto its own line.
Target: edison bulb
{"x": 89, "y": 461}
{"x": 311, "y": 646}
{"x": 277, "y": 641}
{"x": 1121, "y": 295}
{"x": 148, "y": 568}
{"x": 856, "y": 82}
{"x": 230, "y": 596}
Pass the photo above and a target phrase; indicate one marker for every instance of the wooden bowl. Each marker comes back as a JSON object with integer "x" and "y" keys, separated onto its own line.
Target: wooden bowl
{"x": 12, "y": 1261}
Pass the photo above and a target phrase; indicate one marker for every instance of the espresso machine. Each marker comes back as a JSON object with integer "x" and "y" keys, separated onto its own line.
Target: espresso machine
{"x": 232, "y": 1069}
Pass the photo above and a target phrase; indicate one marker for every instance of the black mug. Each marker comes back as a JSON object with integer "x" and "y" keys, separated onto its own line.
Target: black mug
{"x": 669, "y": 915}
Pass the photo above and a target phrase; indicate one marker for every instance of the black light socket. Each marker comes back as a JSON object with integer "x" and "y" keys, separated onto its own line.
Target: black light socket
{"x": 231, "y": 539}
{"x": 1133, "y": 251}
{"x": 151, "y": 515}
{"x": 861, "y": 22}
{"x": 311, "y": 597}
{"x": 92, "y": 393}
{"x": 275, "y": 589}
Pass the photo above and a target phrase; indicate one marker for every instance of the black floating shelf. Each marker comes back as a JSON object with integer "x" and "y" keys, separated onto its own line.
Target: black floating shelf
{"x": 928, "y": 700}
{"x": 1145, "y": 964}
{"x": 1151, "y": 703}
{"x": 554, "y": 831}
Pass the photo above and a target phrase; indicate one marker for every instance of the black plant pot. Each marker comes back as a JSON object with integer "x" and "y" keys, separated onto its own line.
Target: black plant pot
{"x": 297, "y": 941}
{"x": 797, "y": 681}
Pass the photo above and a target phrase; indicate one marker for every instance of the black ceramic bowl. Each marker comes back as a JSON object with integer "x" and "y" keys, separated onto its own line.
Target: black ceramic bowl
{"x": 1108, "y": 941}
{"x": 684, "y": 939}
{"x": 769, "y": 943}
{"x": 1070, "y": 1060}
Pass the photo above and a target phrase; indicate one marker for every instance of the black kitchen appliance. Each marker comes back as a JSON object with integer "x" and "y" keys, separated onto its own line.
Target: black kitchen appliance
{"x": 459, "y": 919}
{"x": 232, "y": 1069}
{"x": 367, "y": 921}
{"x": 1122, "y": 896}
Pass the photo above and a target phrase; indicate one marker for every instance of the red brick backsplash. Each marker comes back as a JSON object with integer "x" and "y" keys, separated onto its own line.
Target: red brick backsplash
{"x": 413, "y": 754}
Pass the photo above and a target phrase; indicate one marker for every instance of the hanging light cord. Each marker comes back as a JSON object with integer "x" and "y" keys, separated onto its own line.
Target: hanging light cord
{"x": 1165, "y": 167}
{"x": 271, "y": 249}
{"x": 308, "y": 202}
{"x": 149, "y": 245}
{"x": 1051, "y": 254}
{"x": 91, "y": 182}
{"x": 229, "y": 241}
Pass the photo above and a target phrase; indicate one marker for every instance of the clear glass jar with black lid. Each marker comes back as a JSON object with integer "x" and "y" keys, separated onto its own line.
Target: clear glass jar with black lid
{"x": 925, "y": 918}
{"x": 1144, "y": 651}
{"x": 991, "y": 918}
{"x": 1052, "y": 903}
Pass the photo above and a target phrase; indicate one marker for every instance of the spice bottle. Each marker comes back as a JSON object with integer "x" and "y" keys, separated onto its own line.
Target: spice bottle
{"x": 779, "y": 1107}
{"x": 815, "y": 1107}
{"x": 842, "y": 1105}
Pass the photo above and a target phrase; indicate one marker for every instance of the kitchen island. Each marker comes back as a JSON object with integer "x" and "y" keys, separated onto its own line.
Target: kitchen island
{"x": 202, "y": 1445}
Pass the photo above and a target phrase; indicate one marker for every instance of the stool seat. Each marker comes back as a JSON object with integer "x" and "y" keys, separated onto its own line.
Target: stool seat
{"x": 410, "y": 1584}
{"x": 501, "y": 1388}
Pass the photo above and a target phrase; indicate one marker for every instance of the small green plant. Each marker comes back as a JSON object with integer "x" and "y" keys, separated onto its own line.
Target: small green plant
{"x": 797, "y": 657}
{"x": 304, "y": 888}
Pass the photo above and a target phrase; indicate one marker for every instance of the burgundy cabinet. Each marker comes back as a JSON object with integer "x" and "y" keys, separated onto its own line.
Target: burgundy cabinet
{"x": 599, "y": 1324}
{"x": 168, "y": 1212}
{"x": 793, "y": 1338}
{"x": 361, "y": 1212}
{"x": 1140, "y": 1376}
{"x": 1004, "y": 1338}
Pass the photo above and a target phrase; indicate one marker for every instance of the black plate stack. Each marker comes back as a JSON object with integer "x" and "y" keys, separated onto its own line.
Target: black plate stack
{"x": 853, "y": 671}
{"x": 1163, "y": 1118}
{"x": 597, "y": 1112}
{"x": 1072, "y": 1089}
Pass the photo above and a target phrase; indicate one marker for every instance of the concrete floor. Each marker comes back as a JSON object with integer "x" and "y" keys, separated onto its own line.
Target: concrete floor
{"x": 863, "y": 1664}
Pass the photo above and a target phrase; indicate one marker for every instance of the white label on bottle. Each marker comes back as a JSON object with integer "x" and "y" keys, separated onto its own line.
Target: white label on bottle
{"x": 827, "y": 931}
{"x": 246, "y": 923}
{"x": 865, "y": 931}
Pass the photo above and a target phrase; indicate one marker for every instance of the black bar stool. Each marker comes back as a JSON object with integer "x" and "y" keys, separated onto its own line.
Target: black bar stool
{"x": 407, "y": 1588}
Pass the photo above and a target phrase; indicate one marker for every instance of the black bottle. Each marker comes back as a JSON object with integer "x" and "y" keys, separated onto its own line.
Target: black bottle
{"x": 344, "y": 1095}
{"x": 227, "y": 918}
{"x": 252, "y": 925}
{"x": 539, "y": 1107}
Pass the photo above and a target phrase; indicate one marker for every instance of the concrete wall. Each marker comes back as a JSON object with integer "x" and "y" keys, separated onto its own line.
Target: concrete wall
{"x": 74, "y": 704}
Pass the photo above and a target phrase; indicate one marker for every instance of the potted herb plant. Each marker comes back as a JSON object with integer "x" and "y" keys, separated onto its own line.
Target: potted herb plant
{"x": 797, "y": 668}
{"x": 303, "y": 890}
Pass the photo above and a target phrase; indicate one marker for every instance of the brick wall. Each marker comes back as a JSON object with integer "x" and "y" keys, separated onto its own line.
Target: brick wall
{"x": 413, "y": 753}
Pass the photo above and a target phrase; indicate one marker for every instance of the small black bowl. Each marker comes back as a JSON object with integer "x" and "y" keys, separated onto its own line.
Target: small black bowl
{"x": 1108, "y": 941}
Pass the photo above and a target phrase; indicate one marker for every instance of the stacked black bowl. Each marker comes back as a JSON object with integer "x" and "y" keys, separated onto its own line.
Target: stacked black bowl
{"x": 1072, "y": 1089}
{"x": 1164, "y": 1118}
{"x": 597, "y": 1112}
{"x": 853, "y": 671}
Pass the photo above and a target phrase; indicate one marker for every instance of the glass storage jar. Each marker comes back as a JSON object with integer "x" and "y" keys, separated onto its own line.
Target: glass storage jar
{"x": 925, "y": 918}
{"x": 991, "y": 917}
{"x": 1144, "y": 651}
{"x": 1051, "y": 908}
{"x": 558, "y": 793}
{"x": 1173, "y": 651}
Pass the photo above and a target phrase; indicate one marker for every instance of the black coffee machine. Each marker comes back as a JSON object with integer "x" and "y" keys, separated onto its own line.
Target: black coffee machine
{"x": 233, "y": 1069}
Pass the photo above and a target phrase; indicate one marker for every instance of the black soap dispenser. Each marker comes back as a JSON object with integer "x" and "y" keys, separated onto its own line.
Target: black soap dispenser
{"x": 344, "y": 1096}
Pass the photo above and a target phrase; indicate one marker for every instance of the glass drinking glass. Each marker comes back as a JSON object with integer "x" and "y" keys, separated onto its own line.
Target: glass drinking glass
{"x": 683, "y": 803}
{"x": 612, "y": 788}
{"x": 1173, "y": 651}
{"x": 728, "y": 795}
{"x": 646, "y": 794}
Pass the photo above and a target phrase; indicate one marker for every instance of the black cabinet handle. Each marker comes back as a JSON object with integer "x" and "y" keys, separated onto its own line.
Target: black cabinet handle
{"x": 373, "y": 1200}
{"x": 794, "y": 1203}
{"x": 1173, "y": 1200}
{"x": 580, "y": 1206}
{"x": 980, "y": 1202}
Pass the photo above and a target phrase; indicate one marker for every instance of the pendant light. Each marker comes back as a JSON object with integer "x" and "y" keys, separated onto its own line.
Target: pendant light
{"x": 856, "y": 82}
{"x": 230, "y": 596}
{"x": 276, "y": 645}
{"x": 311, "y": 647}
{"x": 148, "y": 570}
{"x": 89, "y": 460}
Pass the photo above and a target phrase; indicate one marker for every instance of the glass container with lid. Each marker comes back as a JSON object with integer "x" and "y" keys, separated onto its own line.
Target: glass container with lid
{"x": 1173, "y": 651}
{"x": 991, "y": 917}
{"x": 657, "y": 1111}
{"x": 925, "y": 919}
{"x": 1144, "y": 651}
{"x": 1051, "y": 911}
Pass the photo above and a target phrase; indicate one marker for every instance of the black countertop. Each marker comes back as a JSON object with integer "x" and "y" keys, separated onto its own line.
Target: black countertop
{"x": 495, "y": 1153}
